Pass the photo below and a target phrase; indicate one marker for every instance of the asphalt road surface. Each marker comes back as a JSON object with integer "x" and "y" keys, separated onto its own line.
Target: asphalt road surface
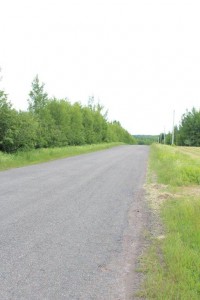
{"x": 71, "y": 228}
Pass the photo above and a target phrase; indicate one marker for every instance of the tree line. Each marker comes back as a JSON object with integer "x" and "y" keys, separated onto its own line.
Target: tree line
{"x": 146, "y": 139}
{"x": 52, "y": 122}
{"x": 188, "y": 131}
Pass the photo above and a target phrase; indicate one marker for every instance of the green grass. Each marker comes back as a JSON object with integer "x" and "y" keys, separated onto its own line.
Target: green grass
{"x": 25, "y": 158}
{"x": 172, "y": 263}
{"x": 174, "y": 167}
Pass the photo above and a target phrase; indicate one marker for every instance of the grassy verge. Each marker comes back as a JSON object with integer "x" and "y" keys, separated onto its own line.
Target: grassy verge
{"x": 172, "y": 262}
{"x": 173, "y": 166}
{"x": 25, "y": 158}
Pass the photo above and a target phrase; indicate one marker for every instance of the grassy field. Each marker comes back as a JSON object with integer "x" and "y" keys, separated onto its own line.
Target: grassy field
{"x": 25, "y": 158}
{"x": 172, "y": 262}
{"x": 192, "y": 151}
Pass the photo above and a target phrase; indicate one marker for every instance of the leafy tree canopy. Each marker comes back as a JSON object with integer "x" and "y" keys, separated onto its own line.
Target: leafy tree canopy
{"x": 37, "y": 97}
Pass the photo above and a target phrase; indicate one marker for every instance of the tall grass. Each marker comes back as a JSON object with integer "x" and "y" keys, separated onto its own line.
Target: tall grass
{"x": 24, "y": 158}
{"x": 173, "y": 167}
{"x": 172, "y": 263}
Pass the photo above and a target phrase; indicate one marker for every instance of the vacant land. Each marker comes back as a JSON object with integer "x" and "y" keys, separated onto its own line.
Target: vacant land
{"x": 172, "y": 262}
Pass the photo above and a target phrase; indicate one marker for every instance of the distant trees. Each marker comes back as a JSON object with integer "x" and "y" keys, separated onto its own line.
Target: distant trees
{"x": 188, "y": 131}
{"x": 147, "y": 139}
{"x": 55, "y": 122}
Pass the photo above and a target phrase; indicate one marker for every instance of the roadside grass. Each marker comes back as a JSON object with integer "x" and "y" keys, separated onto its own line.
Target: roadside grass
{"x": 171, "y": 264}
{"x": 173, "y": 167}
{"x": 192, "y": 151}
{"x": 24, "y": 158}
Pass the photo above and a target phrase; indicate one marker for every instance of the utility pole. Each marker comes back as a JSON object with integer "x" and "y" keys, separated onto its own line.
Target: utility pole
{"x": 164, "y": 137}
{"x": 173, "y": 128}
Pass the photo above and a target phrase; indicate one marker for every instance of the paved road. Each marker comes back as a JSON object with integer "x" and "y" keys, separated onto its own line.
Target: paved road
{"x": 64, "y": 225}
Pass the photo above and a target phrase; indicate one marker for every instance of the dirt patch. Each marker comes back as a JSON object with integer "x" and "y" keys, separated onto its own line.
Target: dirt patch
{"x": 156, "y": 194}
{"x": 189, "y": 191}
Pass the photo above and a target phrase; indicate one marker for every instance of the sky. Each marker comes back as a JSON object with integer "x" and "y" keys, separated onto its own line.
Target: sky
{"x": 139, "y": 58}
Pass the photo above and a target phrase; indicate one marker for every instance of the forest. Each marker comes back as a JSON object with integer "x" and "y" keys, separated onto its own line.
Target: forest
{"x": 51, "y": 122}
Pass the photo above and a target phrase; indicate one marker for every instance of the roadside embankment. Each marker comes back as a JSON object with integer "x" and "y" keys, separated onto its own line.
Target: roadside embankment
{"x": 171, "y": 263}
